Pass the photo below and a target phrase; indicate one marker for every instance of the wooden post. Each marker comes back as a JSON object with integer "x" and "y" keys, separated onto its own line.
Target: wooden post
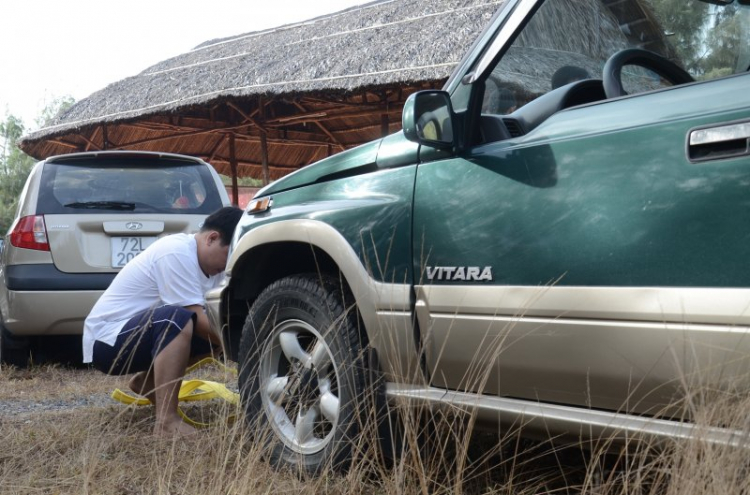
{"x": 233, "y": 166}
{"x": 263, "y": 141}
{"x": 384, "y": 131}
{"x": 264, "y": 157}
{"x": 105, "y": 139}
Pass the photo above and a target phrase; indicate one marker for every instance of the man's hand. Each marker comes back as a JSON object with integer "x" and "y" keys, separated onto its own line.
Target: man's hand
{"x": 202, "y": 326}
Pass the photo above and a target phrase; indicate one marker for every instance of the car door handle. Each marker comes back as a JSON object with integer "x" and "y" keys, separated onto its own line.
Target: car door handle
{"x": 719, "y": 142}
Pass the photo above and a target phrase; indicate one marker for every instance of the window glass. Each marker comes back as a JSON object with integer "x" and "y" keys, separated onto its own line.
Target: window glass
{"x": 568, "y": 40}
{"x": 73, "y": 188}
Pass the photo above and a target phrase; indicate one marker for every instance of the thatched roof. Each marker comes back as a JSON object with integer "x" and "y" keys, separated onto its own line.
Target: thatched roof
{"x": 286, "y": 96}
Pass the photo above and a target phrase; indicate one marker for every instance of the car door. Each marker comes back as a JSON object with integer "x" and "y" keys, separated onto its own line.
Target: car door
{"x": 594, "y": 257}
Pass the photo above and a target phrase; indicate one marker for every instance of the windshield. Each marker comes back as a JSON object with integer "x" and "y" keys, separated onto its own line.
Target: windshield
{"x": 568, "y": 40}
{"x": 144, "y": 188}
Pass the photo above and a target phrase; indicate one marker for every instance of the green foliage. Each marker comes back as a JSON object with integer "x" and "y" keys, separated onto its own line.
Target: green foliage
{"x": 54, "y": 109}
{"x": 683, "y": 26}
{"x": 707, "y": 38}
{"x": 724, "y": 41}
{"x": 15, "y": 165}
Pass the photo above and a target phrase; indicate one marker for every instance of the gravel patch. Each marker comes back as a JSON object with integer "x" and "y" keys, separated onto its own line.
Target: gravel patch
{"x": 21, "y": 408}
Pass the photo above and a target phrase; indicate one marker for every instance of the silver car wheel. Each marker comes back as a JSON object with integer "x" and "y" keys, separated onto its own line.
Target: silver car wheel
{"x": 299, "y": 387}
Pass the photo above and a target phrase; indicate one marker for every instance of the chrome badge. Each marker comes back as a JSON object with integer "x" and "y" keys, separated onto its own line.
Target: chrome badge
{"x": 134, "y": 225}
{"x": 459, "y": 273}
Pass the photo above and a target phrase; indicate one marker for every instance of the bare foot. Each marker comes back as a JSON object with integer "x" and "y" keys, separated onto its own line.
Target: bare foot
{"x": 174, "y": 428}
{"x": 141, "y": 385}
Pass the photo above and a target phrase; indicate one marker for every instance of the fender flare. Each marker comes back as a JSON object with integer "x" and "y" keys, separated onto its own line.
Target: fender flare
{"x": 369, "y": 294}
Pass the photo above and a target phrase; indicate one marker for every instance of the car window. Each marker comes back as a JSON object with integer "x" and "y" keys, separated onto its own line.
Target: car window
{"x": 96, "y": 187}
{"x": 569, "y": 40}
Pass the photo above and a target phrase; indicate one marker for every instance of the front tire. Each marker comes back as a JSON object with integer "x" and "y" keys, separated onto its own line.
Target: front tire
{"x": 302, "y": 376}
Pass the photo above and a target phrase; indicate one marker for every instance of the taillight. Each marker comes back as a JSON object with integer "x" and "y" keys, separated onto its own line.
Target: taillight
{"x": 30, "y": 233}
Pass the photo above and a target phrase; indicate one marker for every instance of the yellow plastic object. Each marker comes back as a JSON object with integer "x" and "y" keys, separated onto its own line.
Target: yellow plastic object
{"x": 191, "y": 390}
{"x": 126, "y": 398}
{"x": 209, "y": 360}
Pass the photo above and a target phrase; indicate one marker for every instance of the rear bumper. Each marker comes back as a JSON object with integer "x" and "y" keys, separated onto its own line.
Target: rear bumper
{"x": 39, "y": 299}
{"x": 46, "y": 277}
{"x": 48, "y": 312}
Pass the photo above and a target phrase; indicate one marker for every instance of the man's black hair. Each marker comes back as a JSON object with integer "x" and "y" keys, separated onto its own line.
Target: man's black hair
{"x": 223, "y": 221}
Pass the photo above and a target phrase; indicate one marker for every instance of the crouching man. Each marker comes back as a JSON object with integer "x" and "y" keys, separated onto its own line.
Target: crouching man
{"x": 151, "y": 320}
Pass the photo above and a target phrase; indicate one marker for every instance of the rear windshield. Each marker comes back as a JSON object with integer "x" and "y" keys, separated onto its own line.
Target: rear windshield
{"x": 149, "y": 186}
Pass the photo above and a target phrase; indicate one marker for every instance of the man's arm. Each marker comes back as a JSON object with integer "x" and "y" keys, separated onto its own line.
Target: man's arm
{"x": 202, "y": 326}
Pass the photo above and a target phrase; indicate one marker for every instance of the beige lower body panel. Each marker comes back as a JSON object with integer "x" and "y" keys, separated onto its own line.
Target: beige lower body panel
{"x": 397, "y": 348}
{"x": 628, "y": 349}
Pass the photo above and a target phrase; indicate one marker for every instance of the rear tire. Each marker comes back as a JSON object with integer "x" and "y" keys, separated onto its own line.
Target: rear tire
{"x": 303, "y": 378}
{"x": 13, "y": 350}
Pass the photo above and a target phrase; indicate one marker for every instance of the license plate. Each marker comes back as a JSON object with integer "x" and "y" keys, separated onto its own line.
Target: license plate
{"x": 125, "y": 249}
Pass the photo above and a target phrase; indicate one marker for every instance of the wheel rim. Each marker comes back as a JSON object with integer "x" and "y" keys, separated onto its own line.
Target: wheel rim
{"x": 299, "y": 387}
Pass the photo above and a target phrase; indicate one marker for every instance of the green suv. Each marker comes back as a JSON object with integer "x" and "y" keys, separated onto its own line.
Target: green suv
{"x": 555, "y": 240}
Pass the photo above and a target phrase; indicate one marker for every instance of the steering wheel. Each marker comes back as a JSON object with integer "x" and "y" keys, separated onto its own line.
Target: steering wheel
{"x": 665, "y": 68}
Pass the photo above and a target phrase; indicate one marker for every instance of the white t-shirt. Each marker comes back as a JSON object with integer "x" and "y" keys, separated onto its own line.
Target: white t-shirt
{"x": 166, "y": 273}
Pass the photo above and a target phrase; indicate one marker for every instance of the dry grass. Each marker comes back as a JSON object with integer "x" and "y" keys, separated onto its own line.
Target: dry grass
{"x": 110, "y": 450}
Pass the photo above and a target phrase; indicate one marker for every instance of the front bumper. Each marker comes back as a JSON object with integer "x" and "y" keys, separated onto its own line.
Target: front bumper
{"x": 214, "y": 310}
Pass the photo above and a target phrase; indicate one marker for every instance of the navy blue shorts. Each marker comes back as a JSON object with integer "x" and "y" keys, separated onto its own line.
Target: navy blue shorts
{"x": 143, "y": 337}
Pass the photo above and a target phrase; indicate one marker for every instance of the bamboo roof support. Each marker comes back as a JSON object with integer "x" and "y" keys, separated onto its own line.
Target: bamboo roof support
{"x": 264, "y": 156}
{"x": 281, "y": 134}
{"x": 311, "y": 116}
{"x": 322, "y": 127}
{"x": 322, "y": 116}
{"x": 240, "y": 137}
{"x": 323, "y": 101}
{"x": 90, "y": 142}
{"x": 244, "y": 164}
{"x": 215, "y": 149}
{"x": 248, "y": 117}
{"x": 233, "y": 167}
{"x": 264, "y": 144}
{"x": 61, "y": 142}
{"x": 182, "y": 135}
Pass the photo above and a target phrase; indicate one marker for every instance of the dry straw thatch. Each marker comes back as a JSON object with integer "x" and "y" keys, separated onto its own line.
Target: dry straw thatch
{"x": 282, "y": 97}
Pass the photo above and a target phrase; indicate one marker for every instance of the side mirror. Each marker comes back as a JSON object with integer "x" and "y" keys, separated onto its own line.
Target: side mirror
{"x": 428, "y": 119}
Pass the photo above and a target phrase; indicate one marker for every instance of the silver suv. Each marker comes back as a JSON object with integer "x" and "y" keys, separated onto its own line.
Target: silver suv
{"x": 81, "y": 217}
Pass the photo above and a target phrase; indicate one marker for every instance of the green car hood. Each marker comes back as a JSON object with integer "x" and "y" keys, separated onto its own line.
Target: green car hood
{"x": 356, "y": 161}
